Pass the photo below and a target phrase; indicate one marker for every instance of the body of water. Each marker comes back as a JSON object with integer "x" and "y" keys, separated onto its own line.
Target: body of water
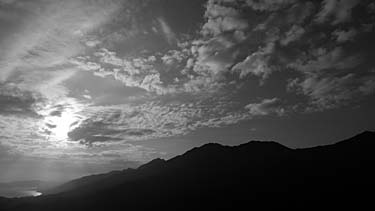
{"x": 19, "y": 192}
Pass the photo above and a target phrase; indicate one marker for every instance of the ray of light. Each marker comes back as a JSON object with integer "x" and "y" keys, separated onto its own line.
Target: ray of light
{"x": 59, "y": 119}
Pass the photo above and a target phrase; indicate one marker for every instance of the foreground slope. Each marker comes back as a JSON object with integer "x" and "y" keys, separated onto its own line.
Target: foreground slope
{"x": 212, "y": 177}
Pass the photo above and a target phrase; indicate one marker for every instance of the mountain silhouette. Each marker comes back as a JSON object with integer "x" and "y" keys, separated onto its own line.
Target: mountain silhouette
{"x": 252, "y": 176}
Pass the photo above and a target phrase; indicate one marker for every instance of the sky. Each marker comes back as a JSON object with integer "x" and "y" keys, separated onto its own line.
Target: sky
{"x": 89, "y": 86}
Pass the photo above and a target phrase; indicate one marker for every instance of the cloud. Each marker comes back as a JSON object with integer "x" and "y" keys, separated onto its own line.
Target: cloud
{"x": 174, "y": 56}
{"x": 14, "y": 101}
{"x": 125, "y": 122}
{"x": 327, "y": 92}
{"x": 91, "y": 132}
{"x": 328, "y": 79}
{"x": 219, "y": 25}
{"x": 215, "y": 56}
{"x": 335, "y": 58}
{"x": 222, "y": 19}
{"x": 337, "y": 11}
{"x": 167, "y": 31}
{"x": 368, "y": 85}
{"x": 268, "y": 5}
{"x": 266, "y": 107}
{"x": 152, "y": 120}
{"x": 24, "y": 149}
{"x": 142, "y": 72}
{"x": 54, "y": 35}
{"x": 256, "y": 63}
{"x": 200, "y": 80}
{"x": 233, "y": 46}
{"x": 226, "y": 45}
{"x": 293, "y": 34}
{"x": 133, "y": 72}
{"x": 344, "y": 36}
{"x": 18, "y": 130}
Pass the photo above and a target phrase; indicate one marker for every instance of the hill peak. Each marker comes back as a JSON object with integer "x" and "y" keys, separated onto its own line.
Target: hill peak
{"x": 264, "y": 144}
{"x": 366, "y": 134}
{"x": 364, "y": 138}
{"x": 155, "y": 163}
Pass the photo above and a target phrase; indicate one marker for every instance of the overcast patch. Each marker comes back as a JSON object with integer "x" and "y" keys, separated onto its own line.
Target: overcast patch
{"x": 14, "y": 101}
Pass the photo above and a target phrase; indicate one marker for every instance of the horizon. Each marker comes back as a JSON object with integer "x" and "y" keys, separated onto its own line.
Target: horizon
{"x": 338, "y": 175}
{"x": 187, "y": 151}
{"x": 92, "y": 86}
{"x": 37, "y": 188}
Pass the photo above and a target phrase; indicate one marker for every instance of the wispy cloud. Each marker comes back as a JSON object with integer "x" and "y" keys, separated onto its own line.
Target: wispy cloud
{"x": 336, "y": 11}
{"x": 52, "y": 35}
{"x": 167, "y": 31}
{"x": 122, "y": 123}
{"x": 266, "y": 107}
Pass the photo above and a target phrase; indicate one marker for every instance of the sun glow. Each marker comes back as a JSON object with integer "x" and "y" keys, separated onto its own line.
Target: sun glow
{"x": 61, "y": 125}
{"x": 60, "y": 119}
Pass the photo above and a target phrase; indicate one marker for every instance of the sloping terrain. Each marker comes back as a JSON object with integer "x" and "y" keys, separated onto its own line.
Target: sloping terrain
{"x": 215, "y": 177}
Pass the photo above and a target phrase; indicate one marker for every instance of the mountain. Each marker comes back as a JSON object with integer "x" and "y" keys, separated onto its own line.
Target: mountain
{"x": 251, "y": 176}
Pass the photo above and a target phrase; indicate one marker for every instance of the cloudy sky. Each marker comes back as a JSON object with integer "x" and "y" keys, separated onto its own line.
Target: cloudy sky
{"x": 89, "y": 86}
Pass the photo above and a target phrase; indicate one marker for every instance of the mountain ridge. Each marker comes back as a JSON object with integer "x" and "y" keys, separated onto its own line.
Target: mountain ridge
{"x": 249, "y": 146}
{"x": 215, "y": 177}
